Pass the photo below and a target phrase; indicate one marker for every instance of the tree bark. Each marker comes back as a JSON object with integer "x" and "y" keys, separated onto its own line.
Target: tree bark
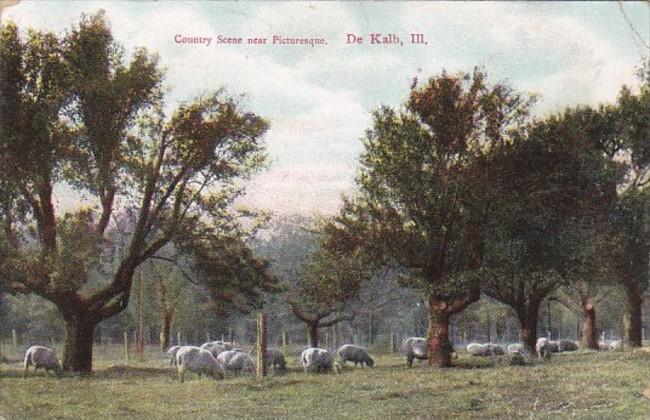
{"x": 78, "y": 351}
{"x": 166, "y": 331}
{"x": 528, "y": 318}
{"x": 440, "y": 348}
{"x": 632, "y": 318}
{"x": 312, "y": 330}
{"x": 440, "y": 312}
{"x": 589, "y": 339}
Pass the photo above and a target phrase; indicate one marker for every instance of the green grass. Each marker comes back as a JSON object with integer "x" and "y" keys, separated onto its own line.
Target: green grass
{"x": 582, "y": 385}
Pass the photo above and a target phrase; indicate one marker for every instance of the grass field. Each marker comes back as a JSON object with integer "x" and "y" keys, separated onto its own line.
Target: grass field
{"x": 582, "y": 385}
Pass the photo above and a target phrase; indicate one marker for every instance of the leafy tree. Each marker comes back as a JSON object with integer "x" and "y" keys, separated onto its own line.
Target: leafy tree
{"x": 75, "y": 112}
{"x": 425, "y": 191}
{"x": 326, "y": 290}
{"x": 550, "y": 222}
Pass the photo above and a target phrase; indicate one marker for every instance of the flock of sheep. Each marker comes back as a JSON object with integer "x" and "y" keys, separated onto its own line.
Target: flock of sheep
{"x": 215, "y": 358}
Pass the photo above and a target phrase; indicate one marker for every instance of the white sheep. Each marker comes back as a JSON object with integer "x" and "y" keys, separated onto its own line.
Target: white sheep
{"x": 544, "y": 347}
{"x": 181, "y": 351}
{"x": 516, "y": 348}
{"x": 171, "y": 352}
{"x": 42, "y": 357}
{"x": 477, "y": 349}
{"x": 315, "y": 359}
{"x": 609, "y": 345}
{"x": 236, "y": 361}
{"x": 193, "y": 359}
{"x": 355, "y": 354}
{"x": 215, "y": 347}
{"x": 415, "y": 348}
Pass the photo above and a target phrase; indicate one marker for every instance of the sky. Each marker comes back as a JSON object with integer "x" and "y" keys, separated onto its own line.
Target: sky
{"x": 319, "y": 99}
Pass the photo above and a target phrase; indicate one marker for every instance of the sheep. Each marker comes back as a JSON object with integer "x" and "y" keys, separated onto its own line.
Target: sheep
{"x": 566, "y": 345}
{"x": 609, "y": 344}
{"x": 171, "y": 352}
{"x": 236, "y": 361}
{"x": 181, "y": 351}
{"x": 315, "y": 359}
{"x": 356, "y": 354}
{"x": 215, "y": 347}
{"x": 42, "y": 357}
{"x": 544, "y": 347}
{"x": 194, "y": 359}
{"x": 274, "y": 357}
{"x": 476, "y": 349}
{"x": 516, "y": 348}
{"x": 415, "y": 348}
{"x": 496, "y": 349}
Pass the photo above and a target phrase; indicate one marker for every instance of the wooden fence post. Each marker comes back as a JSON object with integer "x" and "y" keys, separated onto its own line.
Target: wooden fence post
{"x": 261, "y": 345}
{"x": 178, "y": 338}
{"x": 126, "y": 346}
{"x": 284, "y": 339}
{"x": 231, "y": 336}
{"x": 392, "y": 342}
{"x": 14, "y": 337}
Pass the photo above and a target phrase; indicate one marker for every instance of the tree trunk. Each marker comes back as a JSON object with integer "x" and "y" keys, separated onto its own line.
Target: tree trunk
{"x": 528, "y": 318}
{"x": 632, "y": 320}
{"x": 166, "y": 331}
{"x": 589, "y": 339}
{"x": 312, "y": 330}
{"x": 78, "y": 351}
{"x": 440, "y": 348}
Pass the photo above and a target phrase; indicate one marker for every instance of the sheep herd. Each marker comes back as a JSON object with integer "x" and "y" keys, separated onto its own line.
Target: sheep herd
{"x": 218, "y": 358}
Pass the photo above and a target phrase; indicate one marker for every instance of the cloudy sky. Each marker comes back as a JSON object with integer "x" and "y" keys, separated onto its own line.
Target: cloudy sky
{"x": 318, "y": 99}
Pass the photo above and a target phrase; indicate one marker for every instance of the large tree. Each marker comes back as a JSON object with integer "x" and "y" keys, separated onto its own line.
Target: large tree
{"x": 75, "y": 112}
{"x": 550, "y": 224}
{"x": 426, "y": 191}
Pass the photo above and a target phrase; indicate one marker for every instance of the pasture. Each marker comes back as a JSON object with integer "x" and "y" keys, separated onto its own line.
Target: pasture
{"x": 580, "y": 385}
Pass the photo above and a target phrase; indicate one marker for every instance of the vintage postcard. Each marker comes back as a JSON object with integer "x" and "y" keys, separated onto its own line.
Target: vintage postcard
{"x": 324, "y": 209}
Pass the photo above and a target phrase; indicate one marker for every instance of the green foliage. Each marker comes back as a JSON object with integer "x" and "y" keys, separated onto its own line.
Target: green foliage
{"x": 425, "y": 181}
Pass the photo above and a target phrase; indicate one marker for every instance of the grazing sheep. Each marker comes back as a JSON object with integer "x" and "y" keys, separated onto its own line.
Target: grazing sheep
{"x": 356, "y": 354}
{"x": 276, "y": 358}
{"x": 42, "y": 357}
{"x": 483, "y": 350}
{"x": 516, "y": 348}
{"x": 496, "y": 349}
{"x": 609, "y": 345}
{"x": 171, "y": 352}
{"x": 215, "y": 347}
{"x": 181, "y": 351}
{"x": 194, "y": 359}
{"x": 566, "y": 345}
{"x": 544, "y": 348}
{"x": 315, "y": 359}
{"x": 236, "y": 361}
{"x": 415, "y": 348}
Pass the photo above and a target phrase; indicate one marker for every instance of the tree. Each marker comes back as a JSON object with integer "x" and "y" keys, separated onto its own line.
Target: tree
{"x": 550, "y": 222}
{"x": 326, "y": 291}
{"x": 74, "y": 112}
{"x": 425, "y": 191}
{"x": 632, "y": 114}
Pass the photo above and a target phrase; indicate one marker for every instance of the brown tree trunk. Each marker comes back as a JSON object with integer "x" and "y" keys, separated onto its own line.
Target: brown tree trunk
{"x": 440, "y": 348}
{"x": 589, "y": 339}
{"x": 632, "y": 318}
{"x": 166, "y": 331}
{"x": 312, "y": 330}
{"x": 78, "y": 350}
{"x": 440, "y": 312}
{"x": 528, "y": 318}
